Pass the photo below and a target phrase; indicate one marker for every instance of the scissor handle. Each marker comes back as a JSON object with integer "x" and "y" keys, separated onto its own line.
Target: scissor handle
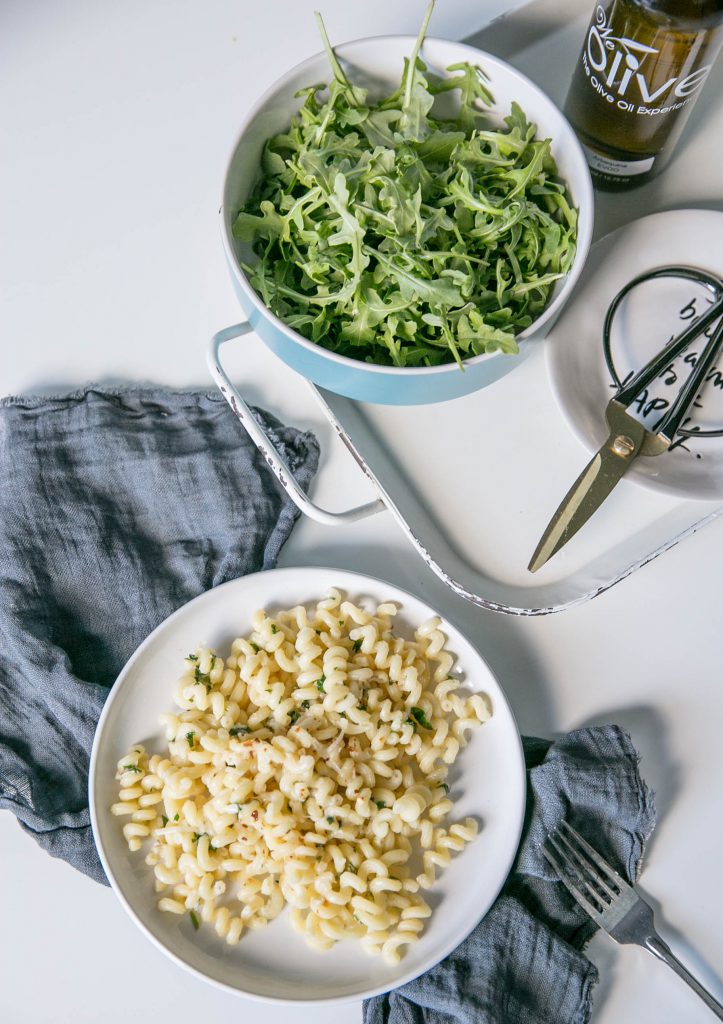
{"x": 669, "y": 426}
{"x": 626, "y": 393}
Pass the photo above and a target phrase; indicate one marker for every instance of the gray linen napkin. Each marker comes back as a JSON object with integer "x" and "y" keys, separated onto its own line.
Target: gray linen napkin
{"x": 522, "y": 964}
{"x": 116, "y": 507}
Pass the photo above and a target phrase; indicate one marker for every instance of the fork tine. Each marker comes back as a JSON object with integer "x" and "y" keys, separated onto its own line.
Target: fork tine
{"x": 588, "y": 870}
{"x": 561, "y": 870}
{"x": 579, "y": 873}
{"x": 595, "y": 857}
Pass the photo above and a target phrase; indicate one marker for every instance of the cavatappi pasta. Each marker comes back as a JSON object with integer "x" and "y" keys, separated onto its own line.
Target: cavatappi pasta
{"x": 306, "y": 768}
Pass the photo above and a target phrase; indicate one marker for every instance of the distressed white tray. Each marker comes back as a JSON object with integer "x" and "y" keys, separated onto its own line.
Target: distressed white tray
{"x": 473, "y": 482}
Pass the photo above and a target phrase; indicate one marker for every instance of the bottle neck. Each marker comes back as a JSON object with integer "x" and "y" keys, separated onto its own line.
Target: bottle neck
{"x": 693, "y": 15}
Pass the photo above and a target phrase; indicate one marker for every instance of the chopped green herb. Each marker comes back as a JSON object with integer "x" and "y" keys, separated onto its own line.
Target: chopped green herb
{"x": 341, "y": 622}
{"x": 306, "y": 704}
{"x": 274, "y": 628}
{"x": 444, "y": 786}
{"x": 194, "y": 920}
{"x": 420, "y": 718}
{"x": 189, "y": 738}
{"x": 131, "y": 768}
{"x": 238, "y": 730}
{"x": 342, "y": 714}
{"x": 164, "y": 819}
{"x": 320, "y": 684}
{"x": 380, "y": 804}
{"x": 176, "y": 817}
{"x": 256, "y": 648}
{"x": 213, "y": 660}
{"x": 192, "y": 657}
{"x": 197, "y": 836}
{"x": 202, "y": 677}
{"x": 350, "y": 867}
{"x": 318, "y": 632}
{"x": 294, "y": 714}
{"x": 391, "y": 233}
{"x": 330, "y": 820}
{"x": 356, "y": 646}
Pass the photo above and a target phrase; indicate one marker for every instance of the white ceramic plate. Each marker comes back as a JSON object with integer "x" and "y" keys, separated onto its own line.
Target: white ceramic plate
{"x": 646, "y": 320}
{"x": 275, "y": 964}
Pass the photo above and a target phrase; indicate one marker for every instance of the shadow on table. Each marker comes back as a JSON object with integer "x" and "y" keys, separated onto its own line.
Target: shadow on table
{"x": 505, "y": 37}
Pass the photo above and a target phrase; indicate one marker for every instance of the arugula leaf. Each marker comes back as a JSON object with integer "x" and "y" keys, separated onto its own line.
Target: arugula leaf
{"x": 354, "y": 96}
{"x": 389, "y": 233}
{"x": 417, "y": 100}
{"x": 412, "y": 286}
{"x": 437, "y": 148}
{"x": 471, "y": 85}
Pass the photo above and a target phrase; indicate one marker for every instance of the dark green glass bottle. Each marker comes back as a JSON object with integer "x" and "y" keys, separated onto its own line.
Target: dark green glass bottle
{"x": 642, "y": 66}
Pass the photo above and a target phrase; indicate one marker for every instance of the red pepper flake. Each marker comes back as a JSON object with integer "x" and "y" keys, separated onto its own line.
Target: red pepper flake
{"x": 255, "y": 815}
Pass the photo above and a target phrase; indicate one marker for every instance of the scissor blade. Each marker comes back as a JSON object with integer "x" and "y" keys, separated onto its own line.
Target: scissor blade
{"x": 585, "y": 496}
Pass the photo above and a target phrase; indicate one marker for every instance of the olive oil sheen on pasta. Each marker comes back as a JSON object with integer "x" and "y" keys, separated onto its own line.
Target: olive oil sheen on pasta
{"x": 642, "y": 66}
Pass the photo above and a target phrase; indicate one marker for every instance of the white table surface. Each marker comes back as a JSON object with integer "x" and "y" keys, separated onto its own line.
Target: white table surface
{"x": 117, "y": 122}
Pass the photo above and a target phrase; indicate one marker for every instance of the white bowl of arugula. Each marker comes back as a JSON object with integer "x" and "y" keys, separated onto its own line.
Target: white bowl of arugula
{"x": 404, "y": 233}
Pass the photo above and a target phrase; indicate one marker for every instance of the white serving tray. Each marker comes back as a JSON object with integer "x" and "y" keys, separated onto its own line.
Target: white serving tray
{"x": 473, "y": 482}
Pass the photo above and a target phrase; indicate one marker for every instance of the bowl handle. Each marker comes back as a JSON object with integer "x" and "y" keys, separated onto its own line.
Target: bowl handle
{"x": 264, "y": 444}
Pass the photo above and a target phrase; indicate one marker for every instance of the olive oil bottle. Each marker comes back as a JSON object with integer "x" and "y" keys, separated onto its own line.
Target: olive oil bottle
{"x": 642, "y": 66}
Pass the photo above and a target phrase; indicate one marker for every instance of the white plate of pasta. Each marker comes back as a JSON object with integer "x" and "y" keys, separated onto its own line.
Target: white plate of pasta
{"x": 305, "y": 787}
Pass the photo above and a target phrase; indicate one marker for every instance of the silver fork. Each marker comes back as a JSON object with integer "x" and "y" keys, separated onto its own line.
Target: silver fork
{"x": 611, "y": 902}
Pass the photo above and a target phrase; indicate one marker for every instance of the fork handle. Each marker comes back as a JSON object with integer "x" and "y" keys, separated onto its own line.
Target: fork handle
{"x": 663, "y": 951}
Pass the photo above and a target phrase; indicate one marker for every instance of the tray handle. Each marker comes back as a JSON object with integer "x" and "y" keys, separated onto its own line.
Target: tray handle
{"x": 263, "y": 442}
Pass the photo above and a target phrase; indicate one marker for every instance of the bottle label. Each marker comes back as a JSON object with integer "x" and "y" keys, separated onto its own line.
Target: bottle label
{"x": 617, "y": 168}
{"x": 626, "y": 74}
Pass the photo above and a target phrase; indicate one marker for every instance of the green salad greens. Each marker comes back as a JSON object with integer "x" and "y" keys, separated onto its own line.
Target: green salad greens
{"x": 392, "y": 236}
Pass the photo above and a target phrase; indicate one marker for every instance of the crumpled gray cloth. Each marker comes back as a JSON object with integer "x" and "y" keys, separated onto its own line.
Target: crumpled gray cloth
{"x": 116, "y": 507}
{"x": 522, "y": 963}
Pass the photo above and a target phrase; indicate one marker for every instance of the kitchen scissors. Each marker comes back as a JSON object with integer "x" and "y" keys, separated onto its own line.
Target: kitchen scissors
{"x": 628, "y": 439}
